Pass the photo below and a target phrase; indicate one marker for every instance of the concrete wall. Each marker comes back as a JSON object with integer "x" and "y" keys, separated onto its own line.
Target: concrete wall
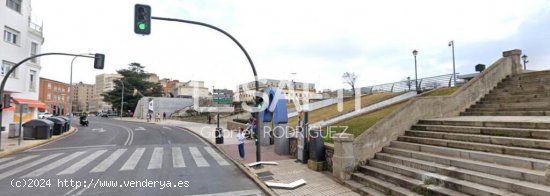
{"x": 160, "y": 105}
{"x": 389, "y": 128}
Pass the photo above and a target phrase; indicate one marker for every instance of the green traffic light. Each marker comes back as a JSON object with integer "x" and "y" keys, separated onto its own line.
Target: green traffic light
{"x": 141, "y": 26}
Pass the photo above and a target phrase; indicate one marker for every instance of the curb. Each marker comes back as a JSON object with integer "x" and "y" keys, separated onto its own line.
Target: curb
{"x": 43, "y": 142}
{"x": 245, "y": 170}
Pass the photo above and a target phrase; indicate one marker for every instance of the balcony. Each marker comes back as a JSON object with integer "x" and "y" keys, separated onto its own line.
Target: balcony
{"x": 34, "y": 27}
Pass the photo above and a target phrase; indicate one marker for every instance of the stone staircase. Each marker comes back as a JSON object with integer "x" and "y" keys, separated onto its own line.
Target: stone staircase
{"x": 471, "y": 155}
{"x": 525, "y": 94}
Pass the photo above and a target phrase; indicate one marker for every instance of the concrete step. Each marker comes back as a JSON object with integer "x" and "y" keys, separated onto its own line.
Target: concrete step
{"x": 498, "y": 149}
{"x": 506, "y": 113}
{"x": 504, "y": 109}
{"x": 494, "y": 124}
{"x": 500, "y": 159}
{"x": 524, "y": 82}
{"x": 401, "y": 183}
{"x": 456, "y": 185}
{"x": 533, "y": 74}
{"x": 380, "y": 185}
{"x": 483, "y": 178}
{"x": 362, "y": 189}
{"x": 520, "y": 91}
{"x": 526, "y": 97}
{"x": 512, "y": 100}
{"x": 496, "y": 131}
{"x": 486, "y": 139}
{"x": 518, "y": 105}
{"x": 529, "y": 175}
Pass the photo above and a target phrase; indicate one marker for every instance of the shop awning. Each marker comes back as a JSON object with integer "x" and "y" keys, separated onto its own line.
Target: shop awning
{"x": 31, "y": 103}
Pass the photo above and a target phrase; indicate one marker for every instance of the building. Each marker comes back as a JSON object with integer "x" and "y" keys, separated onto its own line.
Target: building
{"x": 151, "y": 77}
{"x": 55, "y": 95}
{"x": 22, "y": 37}
{"x": 186, "y": 89}
{"x": 245, "y": 92}
{"x": 103, "y": 84}
{"x": 83, "y": 95}
{"x": 167, "y": 86}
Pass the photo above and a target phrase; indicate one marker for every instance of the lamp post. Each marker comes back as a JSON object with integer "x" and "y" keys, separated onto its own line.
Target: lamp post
{"x": 415, "y": 71}
{"x": 72, "y": 88}
{"x": 452, "y": 44}
{"x": 525, "y": 61}
{"x": 122, "y": 98}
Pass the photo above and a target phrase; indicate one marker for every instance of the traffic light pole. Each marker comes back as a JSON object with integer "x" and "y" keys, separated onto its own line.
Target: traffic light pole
{"x": 6, "y": 76}
{"x": 257, "y": 115}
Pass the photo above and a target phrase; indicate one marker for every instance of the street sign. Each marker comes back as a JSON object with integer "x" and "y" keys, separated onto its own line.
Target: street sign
{"x": 23, "y": 107}
{"x": 223, "y": 100}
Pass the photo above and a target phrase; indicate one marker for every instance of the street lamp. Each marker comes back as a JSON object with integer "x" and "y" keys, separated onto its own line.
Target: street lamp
{"x": 122, "y": 98}
{"x": 72, "y": 88}
{"x": 452, "y": 44}
{"x": 415, "y": 71}
{"x": 525, "y": 61}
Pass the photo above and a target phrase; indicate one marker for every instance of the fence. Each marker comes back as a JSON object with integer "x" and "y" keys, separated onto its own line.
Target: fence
{"x": 424, "y": 84}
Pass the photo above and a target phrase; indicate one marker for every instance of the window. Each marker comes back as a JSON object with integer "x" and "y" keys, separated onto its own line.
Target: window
{"x": 32, "y": 80}
{"x": 14, "y": 5}
{"x": 49, "y": 96}
{"x": 34, "y": 51}
{"x": 6, "y": 66}
{"x": 49, "y": 85}
{"x": 11, "y": 36}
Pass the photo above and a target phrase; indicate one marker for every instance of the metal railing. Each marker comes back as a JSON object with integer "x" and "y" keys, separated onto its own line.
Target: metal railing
{"x": 424, "y": 84}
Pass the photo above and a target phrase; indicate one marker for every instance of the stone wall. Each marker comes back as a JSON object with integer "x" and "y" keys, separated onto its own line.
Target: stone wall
{"x": 329, "y": 152}
{"x": 394, "y": 125}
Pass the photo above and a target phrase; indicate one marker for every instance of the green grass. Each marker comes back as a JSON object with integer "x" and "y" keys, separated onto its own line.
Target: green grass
{"x": 441, "y": 92}
{"x": 358, "y": 125}
{"x": 349, "y": 106}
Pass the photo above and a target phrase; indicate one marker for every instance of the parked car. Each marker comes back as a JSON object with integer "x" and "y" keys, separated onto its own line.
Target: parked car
{"x": 104, "y": 115}
{"x": 43, "y": 115}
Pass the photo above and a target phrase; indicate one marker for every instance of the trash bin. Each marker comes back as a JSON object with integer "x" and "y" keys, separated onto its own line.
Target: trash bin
{"x": 58, "y": 126}
{"x": 219, "y": 136}
{"x": 316, "y": 145}
{"x": 67, "y": 122}
{"x": 37, "y": 129}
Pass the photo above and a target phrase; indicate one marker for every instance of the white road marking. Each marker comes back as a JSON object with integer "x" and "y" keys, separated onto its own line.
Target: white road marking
{"x": 133, "y": 160}
{"x": 167, "y": 128}
{"x": 216, "y": 156}
{"x": 140, "y": 129}
{"x": 177, "y": 158}
{"x": 28, "y": 165}
{"x": 9, "y": 164}
{"x": 197, "y": 157}
{"x": 75, "y": 167}
{"x": 245, "y": 192}
{"x": 72, "y": 190}
{"x": 156, "y": 158}
{"x": 105, "y": 164}
{"x": 76, "y": 147}
{"x": 53, "y": 165}
{"x": 5, "y": 159}
{"x": 82, "y": 191}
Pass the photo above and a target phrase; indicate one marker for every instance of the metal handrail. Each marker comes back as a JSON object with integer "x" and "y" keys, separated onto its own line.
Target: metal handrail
{"x": 424, "y": 84}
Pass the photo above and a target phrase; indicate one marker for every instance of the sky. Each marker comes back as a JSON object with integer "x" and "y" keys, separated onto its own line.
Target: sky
{"x": 316, "y": 40}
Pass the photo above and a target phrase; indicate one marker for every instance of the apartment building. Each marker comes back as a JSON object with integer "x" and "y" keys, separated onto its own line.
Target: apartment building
{"x": 103, "y": 84}
{"x": 83, "y": 95}
{"x": 55, "y": 95}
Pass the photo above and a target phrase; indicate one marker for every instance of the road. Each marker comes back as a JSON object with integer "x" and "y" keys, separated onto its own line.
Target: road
{"x": 112, "y": 157}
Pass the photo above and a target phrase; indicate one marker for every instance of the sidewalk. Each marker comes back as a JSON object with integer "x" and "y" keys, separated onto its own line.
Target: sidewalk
{"x": 287, "y": 170}
{"x": 11, "y": 146}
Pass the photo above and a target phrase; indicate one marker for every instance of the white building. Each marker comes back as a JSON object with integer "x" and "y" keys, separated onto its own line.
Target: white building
{"x": 21, "y": 38}
{"x": 187, "y": 89}
{"x": 291, "y": 90}
{"x": 103, "y": 83}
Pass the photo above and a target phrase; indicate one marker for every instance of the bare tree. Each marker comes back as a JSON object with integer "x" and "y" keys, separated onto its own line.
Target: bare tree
{"x": 350, "y": 78}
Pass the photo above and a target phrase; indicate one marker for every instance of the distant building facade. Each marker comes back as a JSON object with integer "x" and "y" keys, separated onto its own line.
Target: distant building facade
{"x": 186, "y": 89}
{"x": 167, "y": 86}
{"x": 55, "y": 95}
{"x": 103, "y": 83}
{"x": 245, "y": 92}
{"x": 83, "y": 96}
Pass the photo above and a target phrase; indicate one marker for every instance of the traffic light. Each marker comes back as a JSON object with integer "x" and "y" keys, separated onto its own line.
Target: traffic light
{"x": 259, "y": 102}
{"x": 142, "y": 19}
{"x": 99, "y": 61}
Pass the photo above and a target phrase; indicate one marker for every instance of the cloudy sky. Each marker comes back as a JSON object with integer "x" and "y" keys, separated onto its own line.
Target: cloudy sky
{"x": 318, "y": 40}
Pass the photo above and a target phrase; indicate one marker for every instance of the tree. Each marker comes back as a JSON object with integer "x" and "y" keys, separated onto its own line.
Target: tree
{"x": 134, "y": 77}
{"x": 350, "y": 78}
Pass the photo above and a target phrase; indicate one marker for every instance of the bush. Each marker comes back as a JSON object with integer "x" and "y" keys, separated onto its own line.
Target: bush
{"x": 240, "y": 120}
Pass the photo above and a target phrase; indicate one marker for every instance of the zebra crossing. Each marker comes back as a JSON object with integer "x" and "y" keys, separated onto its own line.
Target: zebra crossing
{"x": 73, "y": 162}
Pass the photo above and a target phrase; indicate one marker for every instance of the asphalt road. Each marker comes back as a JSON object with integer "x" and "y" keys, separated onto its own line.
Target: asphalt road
{"x": 112, "y": 157}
